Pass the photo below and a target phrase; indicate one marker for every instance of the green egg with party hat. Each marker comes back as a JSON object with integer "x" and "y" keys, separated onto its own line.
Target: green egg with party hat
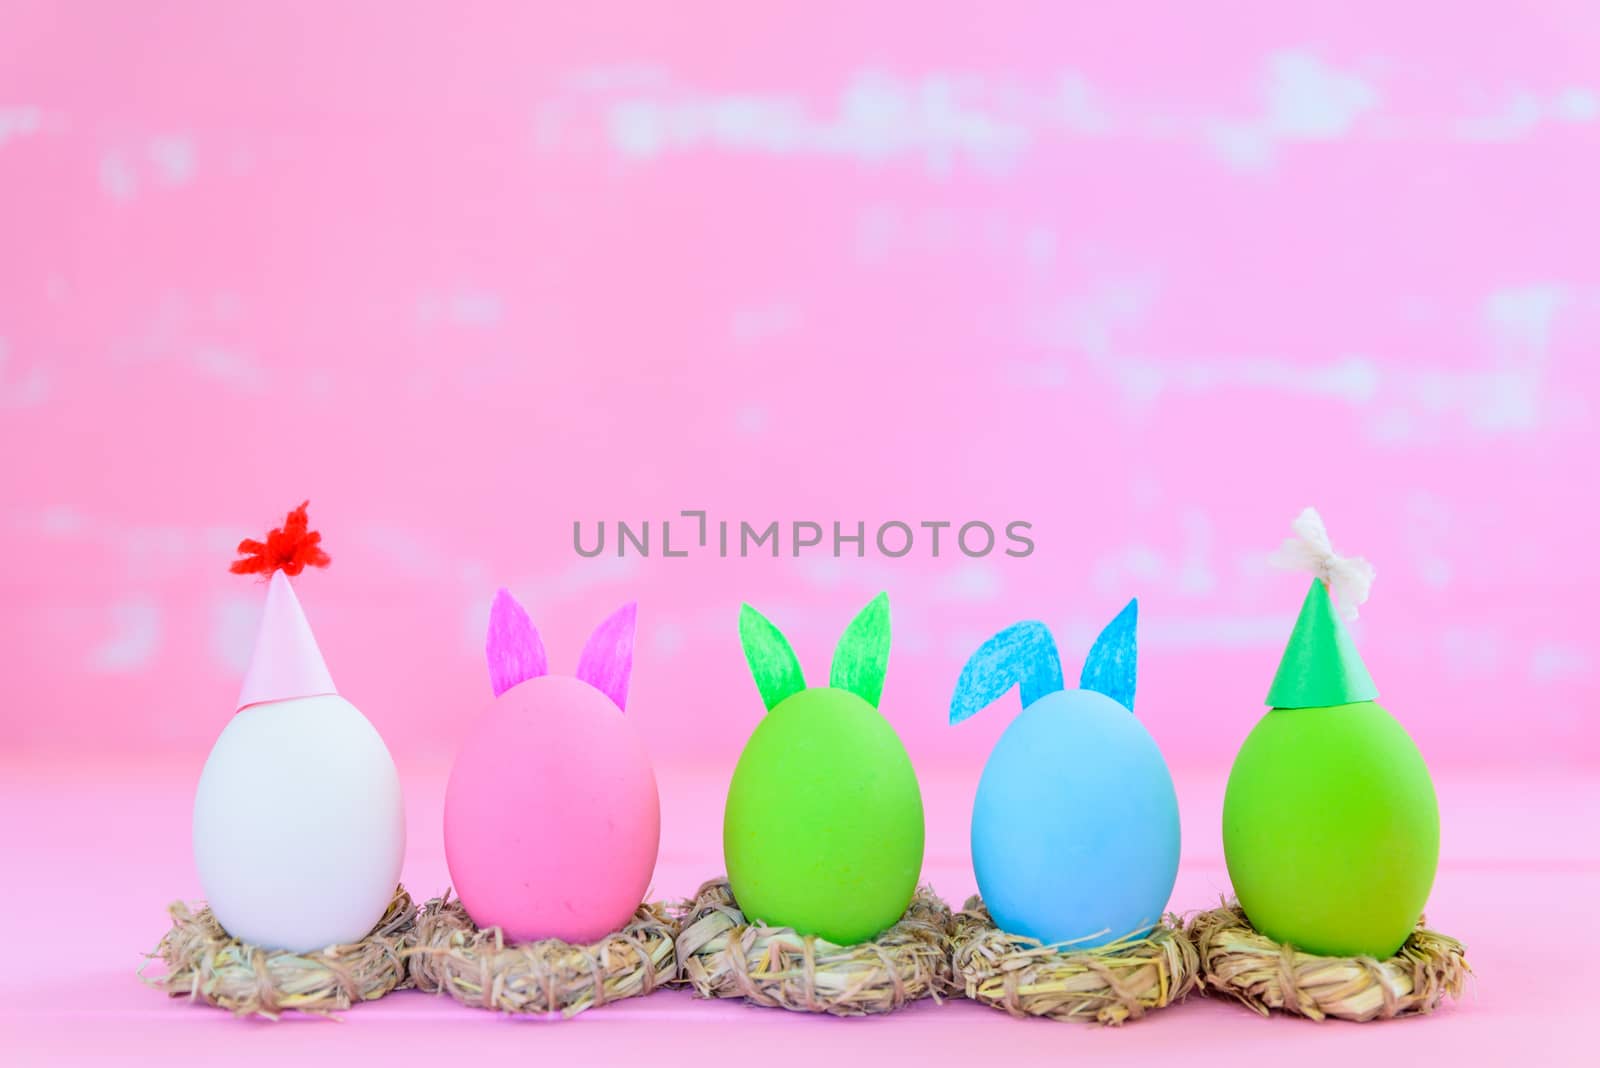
{"x": 1330, "y": 825}
{"x": 823, "y": 829}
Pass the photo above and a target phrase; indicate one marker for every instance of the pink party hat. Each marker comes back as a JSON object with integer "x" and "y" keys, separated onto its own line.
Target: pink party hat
{"x": 287, "y": 662}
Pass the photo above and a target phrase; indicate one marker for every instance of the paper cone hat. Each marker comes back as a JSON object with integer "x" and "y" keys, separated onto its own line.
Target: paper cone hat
{"x": 286, "y": 662}
{"x": 1321, "y": 666}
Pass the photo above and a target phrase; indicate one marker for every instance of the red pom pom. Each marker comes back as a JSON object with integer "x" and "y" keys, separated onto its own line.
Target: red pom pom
{"x": 290, "y": 549}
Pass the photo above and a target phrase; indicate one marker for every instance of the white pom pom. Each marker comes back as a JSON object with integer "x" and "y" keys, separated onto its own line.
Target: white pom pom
{"x": 1348, "y": 578}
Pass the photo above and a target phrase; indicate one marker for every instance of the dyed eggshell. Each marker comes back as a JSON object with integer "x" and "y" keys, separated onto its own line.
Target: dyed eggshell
{"x": 551, "y": 817}
{"x": 823, "y": 830}
{"x": 299, "y": 825}
{"x": 1331, "y": 829}
{"x": 1075, "y": 827}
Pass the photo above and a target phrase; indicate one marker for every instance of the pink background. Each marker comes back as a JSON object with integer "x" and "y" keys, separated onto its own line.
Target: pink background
{"x": 462, "y": 274}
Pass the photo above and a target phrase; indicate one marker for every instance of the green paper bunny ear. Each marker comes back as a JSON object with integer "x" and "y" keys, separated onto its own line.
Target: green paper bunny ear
{"x": 861, "y": 659}
{"x": 772, "y": 661}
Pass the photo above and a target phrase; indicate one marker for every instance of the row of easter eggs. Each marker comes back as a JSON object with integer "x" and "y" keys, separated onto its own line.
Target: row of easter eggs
{"x": 552, "y": 815}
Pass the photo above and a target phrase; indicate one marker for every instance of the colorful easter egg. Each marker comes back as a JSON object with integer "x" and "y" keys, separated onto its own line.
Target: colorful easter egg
{"x": 552, "y": 820}
{"x": 1075, "y": 834}
{"x": 823, "y": 829}
{"x": 299, "y": 824}
{"x": 1330, "y": 824}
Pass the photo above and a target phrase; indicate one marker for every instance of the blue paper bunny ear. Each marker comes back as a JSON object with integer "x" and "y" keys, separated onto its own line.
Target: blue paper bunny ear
{"x": 1112, "y": 666}
{"x": 1022, "y": 655}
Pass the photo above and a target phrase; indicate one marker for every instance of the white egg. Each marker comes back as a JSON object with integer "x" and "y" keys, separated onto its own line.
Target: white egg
{"x": 299, "y": 825}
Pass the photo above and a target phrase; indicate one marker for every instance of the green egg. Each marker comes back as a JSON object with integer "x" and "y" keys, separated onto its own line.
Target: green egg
{"x": 823, "y": 829}
{"x": 1330, "y": 824}
{"x": 1331, "y": 829}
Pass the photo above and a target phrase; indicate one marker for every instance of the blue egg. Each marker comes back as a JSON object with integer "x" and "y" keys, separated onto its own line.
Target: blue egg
{"x": 1075, "y": 828}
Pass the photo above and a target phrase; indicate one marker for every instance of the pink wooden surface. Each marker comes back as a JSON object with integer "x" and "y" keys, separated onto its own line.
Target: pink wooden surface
{"x": 90, "y": 848}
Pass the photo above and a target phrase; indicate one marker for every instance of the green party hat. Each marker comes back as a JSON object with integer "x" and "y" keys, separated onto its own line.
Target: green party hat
{"x": 1320, "y": 667}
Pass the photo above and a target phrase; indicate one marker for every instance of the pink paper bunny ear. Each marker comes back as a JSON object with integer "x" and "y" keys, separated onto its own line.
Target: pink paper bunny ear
{"x": 514, "y": 650}
{"x": 607, "y": 659}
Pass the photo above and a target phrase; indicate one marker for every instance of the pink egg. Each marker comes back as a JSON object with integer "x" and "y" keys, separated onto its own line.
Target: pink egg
{"x": 551, "y": 818}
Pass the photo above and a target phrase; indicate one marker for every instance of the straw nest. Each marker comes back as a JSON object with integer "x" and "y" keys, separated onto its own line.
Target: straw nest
{"x": 477, "y": 967}
{"x": 1108, "y": 984}
{"x": 206, "y": 964}
{"x": 724, "y": 957}
{"x": 1244, "y": 964}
